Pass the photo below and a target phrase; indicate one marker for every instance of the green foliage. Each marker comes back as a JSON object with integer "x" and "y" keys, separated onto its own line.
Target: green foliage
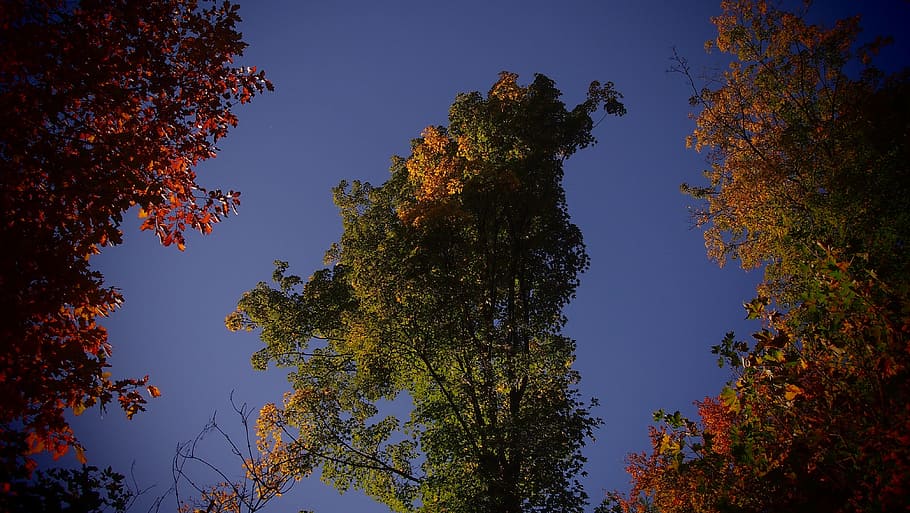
{"x": 445, "y": 291}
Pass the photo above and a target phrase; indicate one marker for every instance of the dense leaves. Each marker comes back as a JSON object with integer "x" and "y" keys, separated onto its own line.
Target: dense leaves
{"x": 83, "y": 490}
{"x": 807, "y": 143}
{"x": 809, "y": 176}
{"x": 817, "y": 419}
{"x": 444, "y": 300}
{"x": 103, "y": 106}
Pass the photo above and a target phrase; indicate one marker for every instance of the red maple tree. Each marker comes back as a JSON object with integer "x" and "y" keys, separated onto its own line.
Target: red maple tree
{"x": 103, "y": 105}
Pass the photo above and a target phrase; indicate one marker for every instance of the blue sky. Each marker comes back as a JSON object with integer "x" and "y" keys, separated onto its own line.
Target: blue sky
{"x": 355, "y": 81}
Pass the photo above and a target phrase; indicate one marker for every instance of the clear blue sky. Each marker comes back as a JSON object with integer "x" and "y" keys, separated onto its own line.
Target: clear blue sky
{"x": 355, "y": 81}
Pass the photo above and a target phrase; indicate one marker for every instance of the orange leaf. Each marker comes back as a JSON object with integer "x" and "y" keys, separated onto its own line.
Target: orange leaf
{"x": 791, "y": 391}
{"x": 80, "y": 455}
{"x": 153, "y": 391}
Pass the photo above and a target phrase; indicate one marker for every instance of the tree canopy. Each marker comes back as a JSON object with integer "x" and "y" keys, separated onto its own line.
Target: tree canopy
{"x": 807, "y": 142}
{"x": 443, "y": 299}
{"x": 103, "y": 106}
{"x": 428, "y": 359}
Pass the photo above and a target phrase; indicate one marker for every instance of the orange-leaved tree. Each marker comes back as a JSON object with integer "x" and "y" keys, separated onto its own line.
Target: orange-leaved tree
{"x": 806, "y": 142}
{"x": 103, "y": 106}
{"x": 808, "y": 148}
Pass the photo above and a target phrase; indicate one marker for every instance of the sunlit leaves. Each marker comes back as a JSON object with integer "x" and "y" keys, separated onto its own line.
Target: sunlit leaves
{"x": 266, "y": 466}
{"x": 153, "y": 391}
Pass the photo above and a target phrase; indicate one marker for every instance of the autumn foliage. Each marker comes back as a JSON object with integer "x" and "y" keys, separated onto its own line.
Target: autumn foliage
{"x": 445, "y": 294}
{"x": 808, "y": 178}
{"x": 269, "y": 466}
{"x": 816, "y": 420}
{"x": 105, "y": 106}
{"x": 800, "y": 151}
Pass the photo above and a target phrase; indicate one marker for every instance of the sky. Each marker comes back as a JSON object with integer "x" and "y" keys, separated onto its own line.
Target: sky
{"x": 355, "y": 81}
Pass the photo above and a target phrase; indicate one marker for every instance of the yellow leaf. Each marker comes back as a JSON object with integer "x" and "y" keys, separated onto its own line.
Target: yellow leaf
{"x": 791, "y": 391}
{"x": 664, "y": 444}
{"x": 142, "y": 213}
{"x": 78, "y": 408}
{"x": 668, "y": 446}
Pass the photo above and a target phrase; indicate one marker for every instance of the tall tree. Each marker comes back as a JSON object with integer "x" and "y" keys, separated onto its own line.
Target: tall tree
{"x": 445, "y": 294}
{"x": 808, "y": 147}
{"x": 103, "y": 106}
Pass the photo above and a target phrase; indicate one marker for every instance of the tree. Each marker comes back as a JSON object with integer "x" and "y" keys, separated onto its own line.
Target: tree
{"x": 802, "y": 151}
{"x": 816, "y": 418}
{"x": 808, "y": 177}
{"x": 444, "y": 294}
{"x": 103, "y": 106}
